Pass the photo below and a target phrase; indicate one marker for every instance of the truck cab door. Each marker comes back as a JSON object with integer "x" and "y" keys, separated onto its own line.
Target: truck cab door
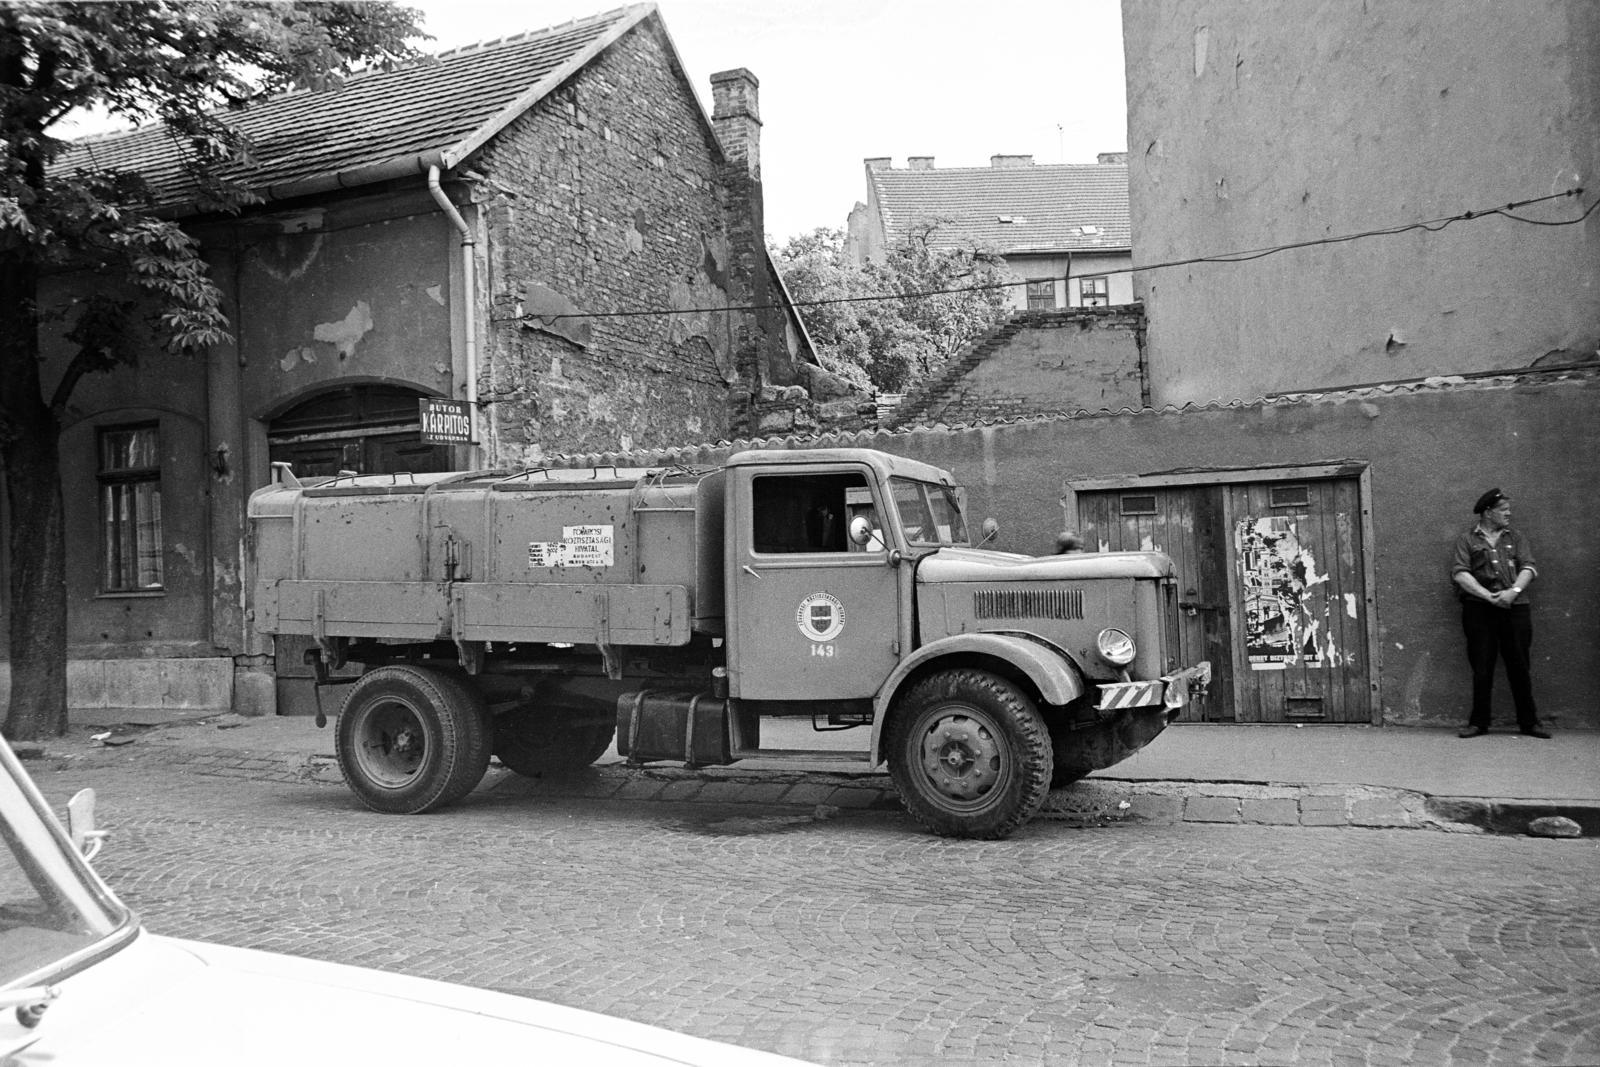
{"x": 813, "y": 616}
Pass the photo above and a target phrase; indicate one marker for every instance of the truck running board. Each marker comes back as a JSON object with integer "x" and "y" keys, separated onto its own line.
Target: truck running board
{"x": 802, "y": 755}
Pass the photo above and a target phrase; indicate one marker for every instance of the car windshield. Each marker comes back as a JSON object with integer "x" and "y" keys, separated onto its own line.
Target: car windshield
{"x": 53, "y": 911}
{"x": 929, "y": 514}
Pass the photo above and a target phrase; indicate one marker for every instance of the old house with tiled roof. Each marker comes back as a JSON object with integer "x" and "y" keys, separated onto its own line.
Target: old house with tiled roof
{"x": 1062, "y": 229}
{"x": 535, "y": 236}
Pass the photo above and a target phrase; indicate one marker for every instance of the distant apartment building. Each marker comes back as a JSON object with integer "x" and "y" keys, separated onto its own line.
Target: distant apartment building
{"x": 1062, "y": 229}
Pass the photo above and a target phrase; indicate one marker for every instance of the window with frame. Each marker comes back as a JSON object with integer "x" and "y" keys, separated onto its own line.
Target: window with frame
{"x": 1042, "y": 295}
{"x": 795, "y": 513}
{"x": 1094, "y": 292}
{"x": 130, "y": 509}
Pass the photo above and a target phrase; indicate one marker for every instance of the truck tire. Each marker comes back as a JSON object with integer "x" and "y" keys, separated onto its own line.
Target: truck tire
{"x": 411, "y": 739}
{"x": 969, "y": 754}
{"x": 534, "y": 744}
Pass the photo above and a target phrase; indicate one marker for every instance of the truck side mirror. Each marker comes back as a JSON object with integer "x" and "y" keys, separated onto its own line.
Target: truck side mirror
{"x": 991, "y": 530}
{"x": 860, "y": 530}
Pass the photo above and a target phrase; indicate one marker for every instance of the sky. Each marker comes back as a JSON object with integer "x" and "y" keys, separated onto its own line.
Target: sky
{"x": 845, "y": 80}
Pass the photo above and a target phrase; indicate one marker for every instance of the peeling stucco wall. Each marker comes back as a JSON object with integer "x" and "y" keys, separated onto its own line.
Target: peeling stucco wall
{"x": 364, "y": 298}
{"x": 1249, "y": 128}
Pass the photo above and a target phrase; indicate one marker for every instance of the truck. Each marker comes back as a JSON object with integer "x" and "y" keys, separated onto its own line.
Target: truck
{"x": 535, "y": 616}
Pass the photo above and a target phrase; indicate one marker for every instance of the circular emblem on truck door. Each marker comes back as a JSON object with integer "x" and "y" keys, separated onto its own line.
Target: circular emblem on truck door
{"x": 821, "y": 617}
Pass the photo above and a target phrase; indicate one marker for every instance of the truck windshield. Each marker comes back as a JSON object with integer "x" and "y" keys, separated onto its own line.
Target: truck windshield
{"x": 929, "y": 513}
{"x": 51, "y": 912}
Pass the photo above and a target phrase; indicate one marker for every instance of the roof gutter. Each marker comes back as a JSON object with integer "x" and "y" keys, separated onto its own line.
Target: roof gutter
{"x": 401, "y": 167}
{"x": 469, "y": 303}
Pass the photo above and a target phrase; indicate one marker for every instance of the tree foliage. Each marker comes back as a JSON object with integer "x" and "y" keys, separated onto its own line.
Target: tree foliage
{"x": 191, "y": 66}
{"x": 888, "y": 324}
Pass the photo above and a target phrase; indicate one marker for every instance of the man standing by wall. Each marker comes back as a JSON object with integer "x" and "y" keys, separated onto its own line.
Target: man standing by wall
{"x": 1492, "y": 569}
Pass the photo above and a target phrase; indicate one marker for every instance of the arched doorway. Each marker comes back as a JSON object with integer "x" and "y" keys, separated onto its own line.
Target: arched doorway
{"x": 369, "y": 429}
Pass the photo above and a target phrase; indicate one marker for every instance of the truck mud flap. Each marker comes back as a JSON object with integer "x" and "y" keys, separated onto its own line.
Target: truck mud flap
{"x": 665, "y": 725}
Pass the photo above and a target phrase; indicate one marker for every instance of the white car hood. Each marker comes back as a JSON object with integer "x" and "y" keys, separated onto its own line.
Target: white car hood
{"x": 180, "y": 1003}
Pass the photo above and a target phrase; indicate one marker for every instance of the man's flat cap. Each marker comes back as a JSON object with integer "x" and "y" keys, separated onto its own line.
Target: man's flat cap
{"x": 1487, "y": 501}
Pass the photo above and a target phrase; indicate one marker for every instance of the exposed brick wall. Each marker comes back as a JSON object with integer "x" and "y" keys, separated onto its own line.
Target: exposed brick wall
{"x": 612, "y": 195}
{"x": 1037, "y": 362}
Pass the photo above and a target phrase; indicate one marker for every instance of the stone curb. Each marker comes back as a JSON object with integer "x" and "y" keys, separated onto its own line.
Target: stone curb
{"x": 1093, "y": 801}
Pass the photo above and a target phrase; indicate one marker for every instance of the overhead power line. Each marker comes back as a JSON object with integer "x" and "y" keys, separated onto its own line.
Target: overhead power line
{"x": 1243, "y": 256}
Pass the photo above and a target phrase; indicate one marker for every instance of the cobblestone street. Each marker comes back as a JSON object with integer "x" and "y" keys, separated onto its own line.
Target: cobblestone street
{"x": 848, "y": 937}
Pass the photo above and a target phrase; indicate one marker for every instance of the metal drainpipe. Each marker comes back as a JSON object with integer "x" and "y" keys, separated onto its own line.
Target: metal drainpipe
{"x": 469, "y": 306}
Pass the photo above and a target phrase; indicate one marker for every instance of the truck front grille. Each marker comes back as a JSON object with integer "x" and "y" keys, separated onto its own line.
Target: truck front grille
{"x": 1028, "y": 604}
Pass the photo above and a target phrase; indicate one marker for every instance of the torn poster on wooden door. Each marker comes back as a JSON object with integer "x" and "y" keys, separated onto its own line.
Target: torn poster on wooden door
{"x": 1284, "y": 611}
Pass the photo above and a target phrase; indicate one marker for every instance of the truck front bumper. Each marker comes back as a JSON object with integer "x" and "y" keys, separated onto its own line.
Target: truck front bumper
{"x": 1170, "y": 691}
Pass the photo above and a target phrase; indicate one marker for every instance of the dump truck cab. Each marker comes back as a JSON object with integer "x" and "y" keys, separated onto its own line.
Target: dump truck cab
{"x": 536, "y": 615}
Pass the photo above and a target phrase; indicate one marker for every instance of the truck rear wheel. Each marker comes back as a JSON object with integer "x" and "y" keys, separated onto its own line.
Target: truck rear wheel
{"x": 538, "y": 743}
{"x": 410, "y": 739}
{"x": 970, "y": 755}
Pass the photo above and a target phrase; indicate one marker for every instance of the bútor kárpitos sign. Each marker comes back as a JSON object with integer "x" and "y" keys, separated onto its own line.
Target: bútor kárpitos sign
{"x": 444, "y": 422}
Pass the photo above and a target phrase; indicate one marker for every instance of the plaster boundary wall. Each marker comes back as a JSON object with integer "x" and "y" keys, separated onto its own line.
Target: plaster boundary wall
{"x": 1431, "y": 445}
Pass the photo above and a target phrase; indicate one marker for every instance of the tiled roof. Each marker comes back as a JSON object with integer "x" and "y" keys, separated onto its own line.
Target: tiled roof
{"x": 381, "y": 124}
{"x": 1048, "y": 207}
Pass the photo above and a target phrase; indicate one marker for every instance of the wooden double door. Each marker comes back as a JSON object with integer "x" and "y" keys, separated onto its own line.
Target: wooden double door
{"x": 1273, "y": 589}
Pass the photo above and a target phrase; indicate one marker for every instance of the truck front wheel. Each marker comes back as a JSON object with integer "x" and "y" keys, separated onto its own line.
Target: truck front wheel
{"x": 969, "y": 754}
{"x": 410, "y": 739}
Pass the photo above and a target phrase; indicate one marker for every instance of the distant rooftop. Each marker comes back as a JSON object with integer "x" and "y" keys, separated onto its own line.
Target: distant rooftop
{"x": 1013, "y": 204}
{"x": 379, "y": 124}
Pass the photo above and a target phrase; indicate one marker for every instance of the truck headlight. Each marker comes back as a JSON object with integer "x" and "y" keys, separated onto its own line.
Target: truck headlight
{"x": 1116, "y": 647}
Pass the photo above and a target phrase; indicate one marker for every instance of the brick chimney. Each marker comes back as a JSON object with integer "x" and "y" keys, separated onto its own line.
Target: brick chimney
{"x": 879, "y": 163}
{"x": 920, "y": 162}
{"x": 761, "y": 356}
{"x": 1007, "y": 162}
{"x": 1112, "y": 157}
{"x": 736, "y": 117}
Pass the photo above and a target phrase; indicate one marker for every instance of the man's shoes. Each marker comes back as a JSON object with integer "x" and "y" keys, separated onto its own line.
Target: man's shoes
{"x": 1475, "y": 731}
{"x": 1542, "y": 734}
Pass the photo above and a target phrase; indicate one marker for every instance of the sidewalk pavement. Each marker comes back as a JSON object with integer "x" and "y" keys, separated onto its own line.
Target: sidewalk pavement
{"x": 1366, "y": 776}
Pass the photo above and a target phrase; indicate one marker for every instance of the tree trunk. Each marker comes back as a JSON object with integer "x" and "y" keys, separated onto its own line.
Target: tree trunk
{"x": 30, "y": 448}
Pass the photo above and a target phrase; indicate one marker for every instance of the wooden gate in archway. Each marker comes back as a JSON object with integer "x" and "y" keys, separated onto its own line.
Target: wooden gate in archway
{"x": 1275, "y": 583}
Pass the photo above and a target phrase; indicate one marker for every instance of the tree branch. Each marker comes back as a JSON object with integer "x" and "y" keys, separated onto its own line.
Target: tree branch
{"x": 80, "y": 366}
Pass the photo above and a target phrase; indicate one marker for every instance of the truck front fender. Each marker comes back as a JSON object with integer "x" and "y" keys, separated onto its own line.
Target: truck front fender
{"x": 1046, "y": 666}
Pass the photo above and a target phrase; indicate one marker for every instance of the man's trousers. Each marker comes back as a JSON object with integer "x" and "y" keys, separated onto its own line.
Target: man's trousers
{"x": 1506, "y": 633}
